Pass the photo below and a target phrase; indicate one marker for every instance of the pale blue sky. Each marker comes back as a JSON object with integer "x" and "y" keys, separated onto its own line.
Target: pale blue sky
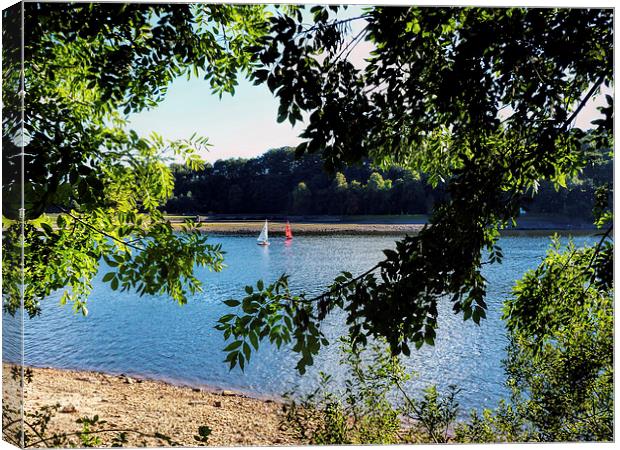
{"x": 243, "y": 125}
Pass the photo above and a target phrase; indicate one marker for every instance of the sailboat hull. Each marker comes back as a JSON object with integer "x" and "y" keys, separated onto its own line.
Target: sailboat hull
{"x": 263, "y": 243}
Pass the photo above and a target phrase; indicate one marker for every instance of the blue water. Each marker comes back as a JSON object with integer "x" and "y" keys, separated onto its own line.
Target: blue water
{"x": 157, "y": 338}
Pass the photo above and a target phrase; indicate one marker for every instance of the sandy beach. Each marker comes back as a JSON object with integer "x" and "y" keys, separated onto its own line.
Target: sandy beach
{"x": 277, "y": 228}
{"x": 528, "y": 226}
{"x": 152, "y": 406}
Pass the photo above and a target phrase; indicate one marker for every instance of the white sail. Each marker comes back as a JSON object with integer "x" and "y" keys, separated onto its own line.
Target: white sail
{"x": 264, "y": 234}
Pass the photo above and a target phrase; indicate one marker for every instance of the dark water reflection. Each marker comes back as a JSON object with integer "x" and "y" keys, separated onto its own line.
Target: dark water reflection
{"x": 155, "y": 337}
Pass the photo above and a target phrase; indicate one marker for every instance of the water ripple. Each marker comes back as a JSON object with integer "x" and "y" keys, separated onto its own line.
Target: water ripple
{"x": 154, "y": 337}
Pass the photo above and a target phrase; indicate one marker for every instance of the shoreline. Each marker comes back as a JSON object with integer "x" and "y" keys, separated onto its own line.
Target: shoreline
{"x": 150, "y": 405}
{"x": 141, "y": 377}
{"x": 276, "y": 228}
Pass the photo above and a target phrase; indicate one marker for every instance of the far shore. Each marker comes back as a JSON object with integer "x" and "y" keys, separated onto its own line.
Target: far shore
{"x": 379, "y": 225}
{"x": 276, "y": 228}
{"x": 150, "y": 406}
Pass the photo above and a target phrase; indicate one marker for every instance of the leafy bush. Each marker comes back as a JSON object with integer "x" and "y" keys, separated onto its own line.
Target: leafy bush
{"x": 560, "y": 356}
{"x": 373, "y": 407}
{"x": 433, "y": 415}
{"x": 361, "y": 412}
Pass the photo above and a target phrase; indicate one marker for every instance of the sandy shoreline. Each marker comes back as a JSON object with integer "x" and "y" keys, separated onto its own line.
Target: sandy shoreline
{"x": 382, "y": 226}
{"x": 153, "y": 406}
{"x": 276, "y": 229}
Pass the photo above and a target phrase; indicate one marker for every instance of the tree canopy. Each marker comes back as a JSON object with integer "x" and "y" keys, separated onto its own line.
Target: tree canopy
{"x": 278, "y": 183}
{"x": 484, "y": 99}
{"x": 86, "y": 67}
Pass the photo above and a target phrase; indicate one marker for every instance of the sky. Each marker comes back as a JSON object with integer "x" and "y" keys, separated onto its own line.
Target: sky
{"x": 244, "y": 125}
{"x": 239, "y": 126}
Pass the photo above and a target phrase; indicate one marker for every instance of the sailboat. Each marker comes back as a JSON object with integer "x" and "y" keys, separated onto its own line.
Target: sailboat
{"x": 263, "y": 237}
{"x": 288, "y": 232}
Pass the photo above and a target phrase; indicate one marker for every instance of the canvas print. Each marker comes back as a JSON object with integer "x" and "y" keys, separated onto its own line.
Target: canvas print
{"x": 270, "y": 225}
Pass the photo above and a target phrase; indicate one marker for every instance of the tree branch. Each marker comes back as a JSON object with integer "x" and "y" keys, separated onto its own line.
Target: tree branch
{"x": 342, "y": 286}
{"x": 351, "y": 44}
{"x": 333, "y": 24}
{"x": 584, "y": 101}
{"x": 129, "y": 244}
{"x": 598, "y": 247}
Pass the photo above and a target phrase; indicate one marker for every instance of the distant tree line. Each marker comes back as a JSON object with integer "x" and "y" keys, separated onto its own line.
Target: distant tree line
{"x": 277, "y": 183}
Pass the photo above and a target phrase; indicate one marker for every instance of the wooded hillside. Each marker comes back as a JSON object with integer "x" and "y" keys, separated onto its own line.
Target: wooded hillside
{"x": 277, "y": 183}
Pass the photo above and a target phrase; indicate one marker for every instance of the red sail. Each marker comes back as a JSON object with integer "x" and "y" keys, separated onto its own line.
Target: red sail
{"x": 287, "y": 231}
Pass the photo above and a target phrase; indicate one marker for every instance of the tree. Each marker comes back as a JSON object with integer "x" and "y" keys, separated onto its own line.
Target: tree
{"x": 339, "y": 184}
{"x": 376, "y": 192}
{"x": 376, "y": 182}
{"x": 235, "y": 197}
{"x": 338, "y": 191}
{"x": 354, "y": 197}
{"x": 481, "y": 99}
{"x": 560, "y": 359}
{"x": 302, "y": 198}
{"x": 86, "y": 67}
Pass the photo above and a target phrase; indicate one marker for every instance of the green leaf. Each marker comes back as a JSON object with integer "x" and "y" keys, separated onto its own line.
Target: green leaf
{"x": 47, "y": 228}
{"x": 108, "y": 276}
{"x": 466, "y": 313}
{"x": 247, "y": 351}
{"x": 233, "y": 346}
{"x": 254, "y": 339}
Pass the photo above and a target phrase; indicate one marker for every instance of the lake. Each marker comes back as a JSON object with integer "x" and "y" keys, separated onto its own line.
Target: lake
{"x": 155, "y": 337}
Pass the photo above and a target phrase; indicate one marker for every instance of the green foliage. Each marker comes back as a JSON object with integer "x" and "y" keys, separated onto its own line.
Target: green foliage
{"x": 482, "y": 98}
{"x": 561, "y": 352}
{"x": 271, "y": 313}
{"x": 373, "y": 407}
{"x": 87, "y": 438}
{"x": 434, "y": 415}
{"x": 149, "y": 257}
{"x": 560, "y": 357}
{"x": 504, "y": 424}
{"x": 559, "y": 371}
{"x": 302, "y": 198}
{"x": 360, "y": 413}
{"x": 88, "y": 66}
{"x": 278, "y": 183}
{"x": 270, "y": 184}
{"x": 601, "y": 211}
{"x": 376, "y": 182}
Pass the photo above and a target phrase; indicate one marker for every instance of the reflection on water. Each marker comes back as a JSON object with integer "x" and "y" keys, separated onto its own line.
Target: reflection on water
{"x": 154, "y": 337}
